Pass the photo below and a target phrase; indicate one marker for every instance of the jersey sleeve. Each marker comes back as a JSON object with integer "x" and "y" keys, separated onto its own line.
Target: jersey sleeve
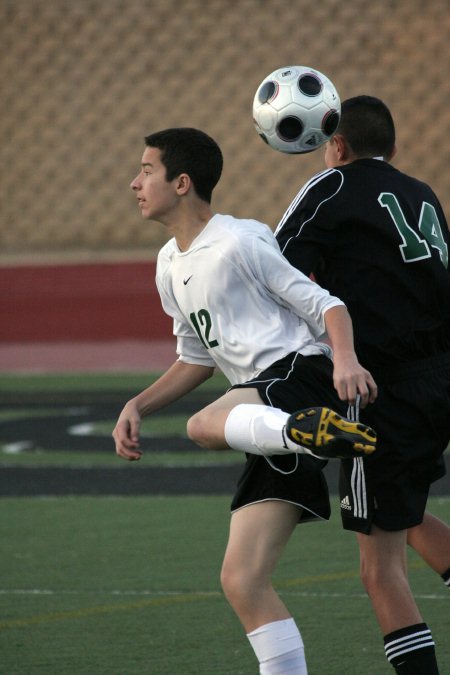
{"x": 307, "y": 230}
{"x": 299, "y": 293}
{"x": 190, "y": 350}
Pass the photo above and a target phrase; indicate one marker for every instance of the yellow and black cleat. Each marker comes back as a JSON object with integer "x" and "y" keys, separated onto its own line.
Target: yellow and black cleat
{"x": 328, "y": 435}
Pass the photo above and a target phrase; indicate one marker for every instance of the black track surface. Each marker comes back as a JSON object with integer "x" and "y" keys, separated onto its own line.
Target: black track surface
{"x": 52, "y": 432}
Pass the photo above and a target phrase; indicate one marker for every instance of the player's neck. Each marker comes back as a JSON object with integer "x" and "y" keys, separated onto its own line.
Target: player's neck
{"x": 189, "y": 225}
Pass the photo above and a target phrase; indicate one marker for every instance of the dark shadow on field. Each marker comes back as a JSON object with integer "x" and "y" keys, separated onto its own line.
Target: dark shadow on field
{"x": 53, "y": 430}
{"x": 49, "y": 426}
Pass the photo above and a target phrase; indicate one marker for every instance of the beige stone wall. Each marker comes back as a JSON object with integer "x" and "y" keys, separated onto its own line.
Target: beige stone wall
{"x": 84, "y": 80}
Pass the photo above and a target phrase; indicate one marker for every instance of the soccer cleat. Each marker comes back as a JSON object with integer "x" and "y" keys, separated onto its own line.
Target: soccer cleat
{"x": 328, "y": 435}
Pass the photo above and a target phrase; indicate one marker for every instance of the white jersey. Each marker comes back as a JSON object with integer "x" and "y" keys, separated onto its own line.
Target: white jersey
{"x": 236, "y": 302}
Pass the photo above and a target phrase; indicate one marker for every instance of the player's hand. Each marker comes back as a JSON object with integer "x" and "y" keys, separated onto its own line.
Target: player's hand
{"x": 350, "y": 379}
{"x": 126, "y": 433}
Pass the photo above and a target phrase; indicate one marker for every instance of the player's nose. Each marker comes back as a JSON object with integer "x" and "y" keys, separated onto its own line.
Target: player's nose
{"x": 134, "y": 185}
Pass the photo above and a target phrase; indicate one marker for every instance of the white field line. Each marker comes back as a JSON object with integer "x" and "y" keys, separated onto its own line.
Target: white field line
{"x": 196, "y": 594}
{"x": 145, "y": 599}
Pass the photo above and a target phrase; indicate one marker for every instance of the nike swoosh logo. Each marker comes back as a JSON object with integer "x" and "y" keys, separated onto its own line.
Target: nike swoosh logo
{"x": 185, "y": 281}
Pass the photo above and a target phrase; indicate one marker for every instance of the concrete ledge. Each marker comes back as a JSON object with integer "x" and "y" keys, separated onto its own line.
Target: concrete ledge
{"x": 87, "y": 357}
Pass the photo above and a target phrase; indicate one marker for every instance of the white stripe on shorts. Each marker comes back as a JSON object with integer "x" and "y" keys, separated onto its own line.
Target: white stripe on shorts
{"x": 358, "y": 479}
{"x": 358, "y": 485}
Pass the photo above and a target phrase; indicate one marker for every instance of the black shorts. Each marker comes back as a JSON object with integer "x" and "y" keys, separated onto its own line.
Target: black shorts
{"x": 292, "y": 383}
{"x": 412, "y": 419}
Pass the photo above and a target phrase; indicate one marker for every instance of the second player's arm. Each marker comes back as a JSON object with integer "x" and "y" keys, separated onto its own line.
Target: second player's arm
{"x": 349, "y": 377}
{"x": 320, "y": 310}
{"x": 178, "y": 380}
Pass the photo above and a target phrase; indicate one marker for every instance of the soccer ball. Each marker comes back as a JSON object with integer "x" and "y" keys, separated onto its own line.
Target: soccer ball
{"x": 296, "y": 109}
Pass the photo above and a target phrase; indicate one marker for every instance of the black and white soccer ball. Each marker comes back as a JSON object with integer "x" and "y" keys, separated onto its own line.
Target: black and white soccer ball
{"x": 296, "y": 109}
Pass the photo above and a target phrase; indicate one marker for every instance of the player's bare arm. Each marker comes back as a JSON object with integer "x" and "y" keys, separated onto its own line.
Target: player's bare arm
{"x": 349, "y": 377}
{"x": 178, "y": 380}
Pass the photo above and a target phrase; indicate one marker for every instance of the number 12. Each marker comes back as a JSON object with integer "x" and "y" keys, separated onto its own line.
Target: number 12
{"x": 202, "y": 324}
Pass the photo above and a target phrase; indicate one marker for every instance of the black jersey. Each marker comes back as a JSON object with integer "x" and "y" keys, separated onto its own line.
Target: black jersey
{"x": 377, "y": 239}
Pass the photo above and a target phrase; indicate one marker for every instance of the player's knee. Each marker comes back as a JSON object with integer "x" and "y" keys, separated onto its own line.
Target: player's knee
{"x": 206, "y": 428}
{"x": 235, "y": 584}
{"x": 370, "y": 576}
{"x": 378, "y": 579}
{"x": 367, "y": 579}
{"x": 194, "y": 429}
{"x": 198, "y": 430}
{"x": 243, "y": 584}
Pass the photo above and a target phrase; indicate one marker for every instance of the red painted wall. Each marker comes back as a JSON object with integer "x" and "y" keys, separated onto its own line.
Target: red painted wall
{"x": 106, "y": 301}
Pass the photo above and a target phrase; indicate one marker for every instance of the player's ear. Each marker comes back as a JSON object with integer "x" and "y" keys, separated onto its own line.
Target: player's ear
{"x": 183, "y": 183}
{"x": 341, "y": 148}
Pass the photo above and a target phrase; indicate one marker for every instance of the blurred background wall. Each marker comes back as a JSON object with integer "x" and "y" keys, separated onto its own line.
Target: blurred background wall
{"x": 84, "y": 80}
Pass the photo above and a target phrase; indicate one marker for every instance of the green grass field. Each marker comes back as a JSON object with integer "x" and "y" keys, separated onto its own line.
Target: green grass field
{"x": 130, "y": 585}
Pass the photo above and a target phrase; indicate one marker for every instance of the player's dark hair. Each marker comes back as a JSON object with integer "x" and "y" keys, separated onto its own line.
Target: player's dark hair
{"x": 186, "y": 150}
{"x": 368, "y": 127}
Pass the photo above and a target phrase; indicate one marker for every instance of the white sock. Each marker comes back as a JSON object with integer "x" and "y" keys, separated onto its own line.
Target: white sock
{"x": 279, "y": 648}
{"x": 258, "y": 429}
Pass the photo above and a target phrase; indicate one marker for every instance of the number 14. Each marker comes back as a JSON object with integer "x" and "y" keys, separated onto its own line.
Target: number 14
{"x": 414, "y": 247}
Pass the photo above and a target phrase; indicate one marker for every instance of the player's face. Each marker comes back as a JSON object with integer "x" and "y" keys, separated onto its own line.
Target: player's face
{"x": 156, "y": 196}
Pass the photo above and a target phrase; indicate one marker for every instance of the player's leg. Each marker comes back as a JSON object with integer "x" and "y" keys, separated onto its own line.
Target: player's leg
{"x": 258, "y": 535}
{"x": 384, "y": 575}
{"x": 431, "y": 540}
{"x": 408, "y": 642}
{"x": 241, "y": 421}
{"x": 207, "y": 427}
{"x": 411, "y": 417}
